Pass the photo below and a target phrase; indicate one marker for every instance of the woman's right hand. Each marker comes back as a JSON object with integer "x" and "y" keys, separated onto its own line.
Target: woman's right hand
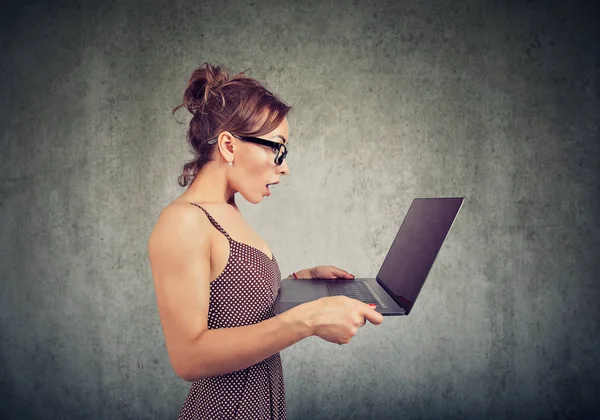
{"x": 337, "y": 318}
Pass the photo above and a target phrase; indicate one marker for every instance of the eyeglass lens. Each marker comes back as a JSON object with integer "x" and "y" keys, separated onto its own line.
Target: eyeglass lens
{"x": 281, "y": 155}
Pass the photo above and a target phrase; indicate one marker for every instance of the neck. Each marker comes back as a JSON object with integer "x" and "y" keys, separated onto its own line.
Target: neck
{"x": 210, "y": 186}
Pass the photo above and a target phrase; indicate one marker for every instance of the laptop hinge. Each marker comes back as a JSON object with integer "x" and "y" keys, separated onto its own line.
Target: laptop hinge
{"x": 400, "y": 300}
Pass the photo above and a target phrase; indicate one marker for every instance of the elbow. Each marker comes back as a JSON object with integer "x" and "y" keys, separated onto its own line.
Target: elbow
{"x": 188, "y": 377}
{"x": 181, "y": 370}
{"x": 186, "y": 373}
{"x": 183, "y": 375}
{"x": 186, "y": 366}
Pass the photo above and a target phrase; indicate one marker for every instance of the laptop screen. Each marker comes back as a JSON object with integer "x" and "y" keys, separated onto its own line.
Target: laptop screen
{"x": 415, "y": 247}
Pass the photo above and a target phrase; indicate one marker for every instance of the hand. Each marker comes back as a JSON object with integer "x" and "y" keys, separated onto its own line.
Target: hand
{"x": 324, "y": 272}
{"x": 337, "y": 318}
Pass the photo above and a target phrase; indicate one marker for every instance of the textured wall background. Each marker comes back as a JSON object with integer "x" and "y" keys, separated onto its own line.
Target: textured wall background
{"x": 391, "y": 101}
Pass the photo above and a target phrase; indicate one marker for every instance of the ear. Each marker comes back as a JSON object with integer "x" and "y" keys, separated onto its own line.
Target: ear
{"x": 227, "y": 145}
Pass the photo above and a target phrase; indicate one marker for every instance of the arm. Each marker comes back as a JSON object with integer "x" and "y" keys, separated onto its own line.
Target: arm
{"x": 226, "y": 350}
{"x": 179, "y": 252}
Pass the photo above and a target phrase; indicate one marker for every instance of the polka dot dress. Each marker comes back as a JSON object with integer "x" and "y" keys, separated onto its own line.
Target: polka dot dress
{"x": 243, "y": 294}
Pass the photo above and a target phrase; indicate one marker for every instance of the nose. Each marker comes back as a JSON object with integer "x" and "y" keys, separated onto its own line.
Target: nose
{"x": 284, "y": 168}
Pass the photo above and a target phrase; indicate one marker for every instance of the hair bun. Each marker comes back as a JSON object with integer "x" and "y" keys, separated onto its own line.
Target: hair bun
{"x": 203, "y": 87}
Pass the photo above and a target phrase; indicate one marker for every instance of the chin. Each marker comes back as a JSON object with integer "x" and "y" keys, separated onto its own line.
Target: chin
{"x": 253, "y": 199}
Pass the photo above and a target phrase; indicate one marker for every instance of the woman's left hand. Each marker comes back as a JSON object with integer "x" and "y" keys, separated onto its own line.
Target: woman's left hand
{"x": 324, "y": 272}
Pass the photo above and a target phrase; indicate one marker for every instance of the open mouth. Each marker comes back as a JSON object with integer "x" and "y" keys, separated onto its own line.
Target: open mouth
{"x": 268, "y": 185}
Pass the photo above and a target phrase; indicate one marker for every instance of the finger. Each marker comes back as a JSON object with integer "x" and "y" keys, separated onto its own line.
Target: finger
{"x": 372, "y": 315}
{"x": 343, "y": 273}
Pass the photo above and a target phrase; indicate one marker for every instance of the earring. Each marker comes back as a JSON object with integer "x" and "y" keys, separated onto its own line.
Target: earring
{"x": 230, "y": 163}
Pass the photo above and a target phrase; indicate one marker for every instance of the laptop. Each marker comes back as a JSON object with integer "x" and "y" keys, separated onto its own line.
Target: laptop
{"x": 395, "y": 288}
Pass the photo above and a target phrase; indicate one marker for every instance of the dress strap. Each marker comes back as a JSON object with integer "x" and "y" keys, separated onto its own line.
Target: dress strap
{"x": 214, "y": 222}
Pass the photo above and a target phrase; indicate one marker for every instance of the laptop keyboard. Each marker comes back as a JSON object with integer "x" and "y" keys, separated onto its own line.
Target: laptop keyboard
{"x": 353, "y": 289}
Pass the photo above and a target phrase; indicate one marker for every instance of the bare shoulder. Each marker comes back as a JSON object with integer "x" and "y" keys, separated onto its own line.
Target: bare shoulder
{"x": 181, "y": 229}
{"x": 179, "y": 216}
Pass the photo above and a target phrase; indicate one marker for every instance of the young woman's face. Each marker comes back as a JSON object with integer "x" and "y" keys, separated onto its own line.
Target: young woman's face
{"x": 254, "y": 166}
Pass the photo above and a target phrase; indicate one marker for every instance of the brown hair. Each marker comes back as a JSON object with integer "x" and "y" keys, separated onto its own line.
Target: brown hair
{"x": 219, "y": 103}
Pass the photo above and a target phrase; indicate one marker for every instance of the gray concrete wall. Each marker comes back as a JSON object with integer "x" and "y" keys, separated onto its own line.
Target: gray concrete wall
{"x": 392, "y": 100}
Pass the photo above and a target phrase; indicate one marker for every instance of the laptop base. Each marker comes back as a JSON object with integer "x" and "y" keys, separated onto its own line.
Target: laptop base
{"x": 295, "y": 292}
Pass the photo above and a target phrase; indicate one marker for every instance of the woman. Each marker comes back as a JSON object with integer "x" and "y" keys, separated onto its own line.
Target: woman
{"x": 215, "y": 279}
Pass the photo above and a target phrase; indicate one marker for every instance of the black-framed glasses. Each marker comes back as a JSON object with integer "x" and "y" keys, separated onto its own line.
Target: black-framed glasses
{"x": 279, "y": 156}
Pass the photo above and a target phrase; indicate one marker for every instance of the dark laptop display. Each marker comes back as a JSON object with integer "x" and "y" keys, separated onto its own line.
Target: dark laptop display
{"x": 417, "y": 243}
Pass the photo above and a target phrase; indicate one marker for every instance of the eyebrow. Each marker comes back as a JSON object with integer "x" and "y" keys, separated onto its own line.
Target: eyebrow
{"x": 281, "y": 137}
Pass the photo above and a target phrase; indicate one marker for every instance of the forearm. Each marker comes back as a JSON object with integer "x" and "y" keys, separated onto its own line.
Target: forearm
{"x": 226, "y": 350}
